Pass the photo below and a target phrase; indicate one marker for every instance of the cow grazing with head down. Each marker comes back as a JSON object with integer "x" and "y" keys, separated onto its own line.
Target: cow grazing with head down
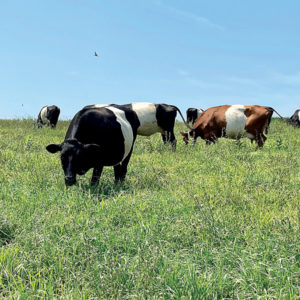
{"x": 153, "y": 118}
{"x": 192, "y": 114}
{"x": 232, "y": 121}
{"x": 97, "y": 137}
{"x": 48, "y": 115}
{"x": 295, "y": 118}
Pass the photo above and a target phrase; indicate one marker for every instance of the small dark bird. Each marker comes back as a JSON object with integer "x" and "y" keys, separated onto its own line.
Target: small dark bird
{"x": 96, "y": 54}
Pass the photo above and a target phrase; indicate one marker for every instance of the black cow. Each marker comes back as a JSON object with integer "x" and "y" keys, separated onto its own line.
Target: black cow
{"x": 97, "y": 137}
{"x": 153, "y": 118}
{"x": 192, "y": 114}
{"x": 48, "y": 115}
{"x": 295, "y": 118}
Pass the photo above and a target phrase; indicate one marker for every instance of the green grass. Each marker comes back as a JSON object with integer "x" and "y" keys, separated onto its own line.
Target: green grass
{"x": 214, "y": 222}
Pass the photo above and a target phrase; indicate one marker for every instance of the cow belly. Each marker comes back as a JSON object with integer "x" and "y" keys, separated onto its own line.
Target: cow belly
{"x": 146, "y": 113}
{"x": 236, "y": 121}
{"x": 148, "y": 129}
{"x": 125, "y": 128}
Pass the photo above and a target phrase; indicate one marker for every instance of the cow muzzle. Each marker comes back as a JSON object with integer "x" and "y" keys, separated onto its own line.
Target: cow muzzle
{"x": 70, "y": 180}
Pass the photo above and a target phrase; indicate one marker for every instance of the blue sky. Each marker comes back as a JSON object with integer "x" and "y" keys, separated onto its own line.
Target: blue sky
{"x": 188, "y": 53}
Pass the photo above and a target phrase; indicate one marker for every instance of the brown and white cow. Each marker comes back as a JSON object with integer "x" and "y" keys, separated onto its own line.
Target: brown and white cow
{"x": 232, "y": 121}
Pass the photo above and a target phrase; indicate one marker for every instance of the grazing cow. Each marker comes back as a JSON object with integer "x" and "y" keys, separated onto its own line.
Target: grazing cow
{"x": 295, "y": 118}
{"x": 232, "y": 121}
{"x": 97, "y": 137}
{"x": 192, "y": 114}
{"x": 153, "y": 118}
{"x": 48, "y": 115}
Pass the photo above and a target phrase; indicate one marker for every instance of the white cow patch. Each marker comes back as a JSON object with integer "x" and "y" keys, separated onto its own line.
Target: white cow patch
{"x": 146, "y": 113}
{"x": 44, "y": 115}
{"x": 100, "y": 105}
{"x": 126, "y": 129}
{"x": 236, "y": 122}
{"x": 199, "y": 112}
{"x": 299, "y": 116}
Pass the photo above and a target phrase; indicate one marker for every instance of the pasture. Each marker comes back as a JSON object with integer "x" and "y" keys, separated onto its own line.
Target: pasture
{"x": 219, "y": 221}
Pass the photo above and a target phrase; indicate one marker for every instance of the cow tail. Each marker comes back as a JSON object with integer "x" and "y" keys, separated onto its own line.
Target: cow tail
{"x": 186, "y": 124}
{"x": 271, "y": 111}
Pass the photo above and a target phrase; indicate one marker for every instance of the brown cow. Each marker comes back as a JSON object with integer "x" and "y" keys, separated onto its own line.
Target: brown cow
{"x": 232, "y": 121}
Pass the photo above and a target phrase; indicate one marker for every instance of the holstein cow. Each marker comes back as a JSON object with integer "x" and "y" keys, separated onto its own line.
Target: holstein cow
{"x": 295, "y": 118}
{"x": 48, "y": 115}
{"x": 192, "y": 114}
{"x": 97, "y": 137}
{"x": 232, "y": 121}
{"x": 153, "y": 118}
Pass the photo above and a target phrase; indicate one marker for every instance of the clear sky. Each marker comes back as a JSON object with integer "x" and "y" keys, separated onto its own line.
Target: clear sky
{"x": 189, "y": 53}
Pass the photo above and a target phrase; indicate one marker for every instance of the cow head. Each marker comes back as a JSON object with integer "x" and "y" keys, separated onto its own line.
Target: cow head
{"x": 185, "y": 137}
{"x": 76, "y": 158}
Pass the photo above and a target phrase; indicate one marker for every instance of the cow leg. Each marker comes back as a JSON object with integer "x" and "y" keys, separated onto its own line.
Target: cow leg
{"x": 210, "y": 138}
{"x": 169, "y": 137}
{"x": 118, "y": 173}
{"x": 172, "y": 140}
{"x": 96, "y": 175}
{"x": 194, "y": 140}
{"x": 210, "y": 141}
{"x": 164, "y": 137}
{"x": 120, "y": 170}
{"x": 263, "y": 138}
{"x": 260, "y": 140}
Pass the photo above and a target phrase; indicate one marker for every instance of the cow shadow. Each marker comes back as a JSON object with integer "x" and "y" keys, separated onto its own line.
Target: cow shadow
{"x": 152, "y": 177}
{"x": 106, "y": 190}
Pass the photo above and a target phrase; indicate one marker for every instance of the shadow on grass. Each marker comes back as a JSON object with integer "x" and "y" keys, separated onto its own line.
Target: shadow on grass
{"x": 156, "y": 180}
{"x": 6, "y": 232}
{"x": 105, "y": 190}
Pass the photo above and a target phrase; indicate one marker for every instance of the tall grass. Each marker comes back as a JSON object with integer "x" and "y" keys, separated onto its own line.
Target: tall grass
{"x": 219, "y": 221}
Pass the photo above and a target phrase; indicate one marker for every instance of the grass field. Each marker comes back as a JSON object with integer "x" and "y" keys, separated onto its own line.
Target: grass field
{"x": 213, "y": 222}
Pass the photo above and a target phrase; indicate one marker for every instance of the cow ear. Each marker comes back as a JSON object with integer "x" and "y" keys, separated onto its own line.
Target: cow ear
{"x": 183, "y": 133}
{"x": 53, "y": 148}
{"x": 92, "y": 150}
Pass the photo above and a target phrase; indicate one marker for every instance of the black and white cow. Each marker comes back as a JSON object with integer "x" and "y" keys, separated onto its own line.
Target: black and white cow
{"x": 192, "y": 114}
{"x": 48, "y": 115}
{"x": 295, "y": 118}
{"x": 153, "y": 118}
{"x": 97, "y": 137}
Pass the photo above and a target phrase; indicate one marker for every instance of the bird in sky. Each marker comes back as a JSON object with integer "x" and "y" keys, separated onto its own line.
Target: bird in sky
{"x": 96, "y": 54}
